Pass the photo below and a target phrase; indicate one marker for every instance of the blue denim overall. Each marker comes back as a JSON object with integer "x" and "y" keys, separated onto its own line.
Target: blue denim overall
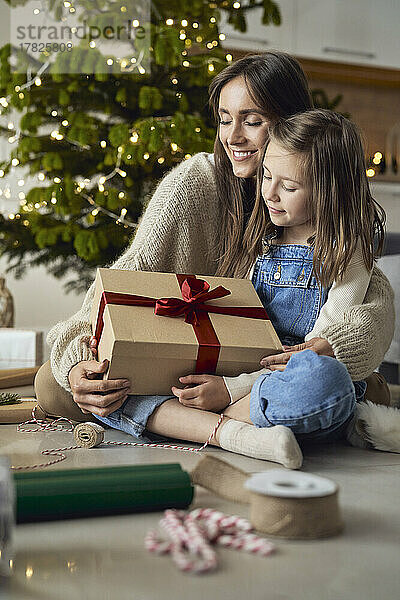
{"x": 314, "y": 395}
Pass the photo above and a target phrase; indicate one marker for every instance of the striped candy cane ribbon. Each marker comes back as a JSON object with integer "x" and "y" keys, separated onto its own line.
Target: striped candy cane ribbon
{"x": 191, "y": 535}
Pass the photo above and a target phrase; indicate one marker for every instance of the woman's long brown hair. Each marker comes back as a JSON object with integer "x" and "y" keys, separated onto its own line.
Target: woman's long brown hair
{"x": 278, "y": 86}
{"x": 343, "y": 212}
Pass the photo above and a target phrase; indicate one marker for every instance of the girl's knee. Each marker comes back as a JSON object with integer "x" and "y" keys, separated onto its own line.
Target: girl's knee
{"x": 312, "y": 393}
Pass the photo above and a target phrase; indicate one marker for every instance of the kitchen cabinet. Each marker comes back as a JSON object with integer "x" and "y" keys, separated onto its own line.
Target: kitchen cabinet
{"x": 363, "y": 32}
{"x": 260, "y": 37}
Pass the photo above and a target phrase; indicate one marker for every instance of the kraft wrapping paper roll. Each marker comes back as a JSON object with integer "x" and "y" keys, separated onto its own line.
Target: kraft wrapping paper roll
{"x": 74, "y": 493}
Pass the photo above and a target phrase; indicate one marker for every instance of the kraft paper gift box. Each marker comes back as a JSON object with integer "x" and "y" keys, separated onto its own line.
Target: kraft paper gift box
{"x": 154, "y": 350}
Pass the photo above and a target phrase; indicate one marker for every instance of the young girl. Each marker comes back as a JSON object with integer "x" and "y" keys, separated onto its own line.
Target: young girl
{"x": 318, "y": 223}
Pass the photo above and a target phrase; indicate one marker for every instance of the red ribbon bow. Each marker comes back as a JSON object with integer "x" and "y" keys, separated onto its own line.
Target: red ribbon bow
{"x": 194, "y": 294}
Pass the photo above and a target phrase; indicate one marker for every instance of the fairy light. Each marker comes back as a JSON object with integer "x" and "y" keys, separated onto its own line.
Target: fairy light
{"x": 103, "y": 143}
{"x": 134, "y": 137}
{"x": 146, "y": 156}
{"x": 136, "y": 23}
{"x": 38, "y": 81}
{"x": 123, "y": 8}
{"x": 141, "y": 70}
{"x": 184, "y": 23}
{"x": 370, "y": 172}
{"x": 174, "y": 81}
{"x": 65, "y": 123}
{"x": 211, "y": 68}
{"x": 21, "y": 182}
{"x": 15, "y": 162}
{"x": 186, "y": 63}
{"x": 236, "y": 5}
{"x": 222, "y": 37}
{"x": 1, "y": 173}
{"x": 229, "y": 57}
{"x": 122, "y": 173}
{"x": 10, "y": 125}
{"x": 195, "y": 25}
{"x": 101, "y": 187}
{"x": 57, "y": 180}
{"x": 54, "y": 200}
{"x": 54, "y": 113}
{"x": 197, "y": 130}
{"x": 169, "y": 22}
{"x": 187, "y": 156}
{"x": 174, "y": 147}
{"x": 161, "y": 160}
{"x": 182, "y": 36}
{"x": 110, "y": 61}
{"x": 41, "y": 176}
{"x": 21, "y": 196}
{"x": 209, "y": 46}
{"x": 92, "y": 44}
{"x": 213, "y": 20}
{"x": 121, "y": 195}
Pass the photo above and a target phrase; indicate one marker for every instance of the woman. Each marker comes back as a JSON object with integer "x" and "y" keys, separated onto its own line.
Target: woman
{"x": 181, "y": 232}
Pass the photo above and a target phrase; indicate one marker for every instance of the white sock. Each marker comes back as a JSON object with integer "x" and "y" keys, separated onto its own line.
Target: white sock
{"x": 277, "y": 443}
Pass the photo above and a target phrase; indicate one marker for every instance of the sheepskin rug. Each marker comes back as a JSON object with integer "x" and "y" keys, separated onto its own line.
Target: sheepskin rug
{"x": 381, "y": 425}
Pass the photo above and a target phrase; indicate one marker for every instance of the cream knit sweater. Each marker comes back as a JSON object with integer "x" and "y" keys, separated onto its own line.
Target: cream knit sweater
{"x": 179, "y": 232}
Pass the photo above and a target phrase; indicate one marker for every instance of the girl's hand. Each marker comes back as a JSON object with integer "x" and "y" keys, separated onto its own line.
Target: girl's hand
{"x": 277, "y": 362}
{"x": 209, "y": 392}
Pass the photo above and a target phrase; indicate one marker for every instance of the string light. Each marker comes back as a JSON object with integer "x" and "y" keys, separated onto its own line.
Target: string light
{"x": 103, "y": 143}
{"x": 169, "y": 22}
{"x": 370, "y": 172}
{"x": 184, "y": 23}
{"x": 229, "y": 57}
{"x": 236, "y": 5}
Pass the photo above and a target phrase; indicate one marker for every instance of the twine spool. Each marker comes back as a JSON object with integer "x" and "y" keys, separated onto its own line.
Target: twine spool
{"x": 88, "y": 435}
{"x": 294, "y": 505}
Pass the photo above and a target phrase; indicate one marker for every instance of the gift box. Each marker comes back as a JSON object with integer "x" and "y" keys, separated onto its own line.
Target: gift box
{"x": 157, "y": 327}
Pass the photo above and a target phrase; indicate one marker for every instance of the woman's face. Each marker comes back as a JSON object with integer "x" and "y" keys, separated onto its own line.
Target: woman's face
{"x": 243, "y": 128}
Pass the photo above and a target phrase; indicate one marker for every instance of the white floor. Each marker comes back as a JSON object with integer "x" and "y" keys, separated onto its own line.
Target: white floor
{"x": 104, "y": 558}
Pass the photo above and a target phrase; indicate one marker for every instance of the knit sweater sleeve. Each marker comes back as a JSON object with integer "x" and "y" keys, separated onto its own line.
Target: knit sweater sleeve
{"x": 344, "y": 293}
{"x": 240, "y": 386}
{"x": 362, "y": 333}
{"x": 177, "y": 233}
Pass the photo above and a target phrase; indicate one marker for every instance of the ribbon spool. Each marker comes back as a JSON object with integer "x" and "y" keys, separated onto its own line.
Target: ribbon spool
{"x": 294, "y": 505}
{"x": 88, "y": 435}
{"x": 285, "y": 504}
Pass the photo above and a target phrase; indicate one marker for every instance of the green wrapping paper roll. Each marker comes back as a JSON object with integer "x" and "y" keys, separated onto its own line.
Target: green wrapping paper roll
{"x": 74, "y": 493}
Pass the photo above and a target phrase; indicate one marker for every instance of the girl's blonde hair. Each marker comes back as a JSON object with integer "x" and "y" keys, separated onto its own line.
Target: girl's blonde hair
{"x": 342, "y": 209}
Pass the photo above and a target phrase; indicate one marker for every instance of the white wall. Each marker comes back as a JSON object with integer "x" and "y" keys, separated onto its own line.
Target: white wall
{"x": 40, "y": 300}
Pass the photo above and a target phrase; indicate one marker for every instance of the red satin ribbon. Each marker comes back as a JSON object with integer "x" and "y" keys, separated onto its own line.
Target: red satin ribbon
{"x": 194, "y": 293}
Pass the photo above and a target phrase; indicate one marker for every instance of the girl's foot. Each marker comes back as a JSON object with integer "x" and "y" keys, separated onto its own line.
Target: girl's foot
{"x": 277, "y": 443}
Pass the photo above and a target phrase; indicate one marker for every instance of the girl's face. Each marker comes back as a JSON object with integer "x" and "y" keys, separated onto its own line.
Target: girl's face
{"x": 286, "y": 194}
{"x": 243, "y": 128}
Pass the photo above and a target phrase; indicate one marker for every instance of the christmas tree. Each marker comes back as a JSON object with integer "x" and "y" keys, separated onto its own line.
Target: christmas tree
{"x": 97, "y": 139}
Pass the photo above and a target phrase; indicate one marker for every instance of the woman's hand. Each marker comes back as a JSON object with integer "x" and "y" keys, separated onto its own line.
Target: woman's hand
{"x": 209, "y": 392}
{"x": 93, "y": 394}
{"x": 277, "y": 362}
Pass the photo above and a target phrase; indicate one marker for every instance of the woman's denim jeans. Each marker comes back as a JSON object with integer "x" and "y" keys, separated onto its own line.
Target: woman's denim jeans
{"x": 314, "y": 396}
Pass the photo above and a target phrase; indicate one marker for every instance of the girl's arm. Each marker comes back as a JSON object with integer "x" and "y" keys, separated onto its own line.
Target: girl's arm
{"x": 175, "y": 234}
{"x": 348, "y": 292}
{"x": 362, "y": 334}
